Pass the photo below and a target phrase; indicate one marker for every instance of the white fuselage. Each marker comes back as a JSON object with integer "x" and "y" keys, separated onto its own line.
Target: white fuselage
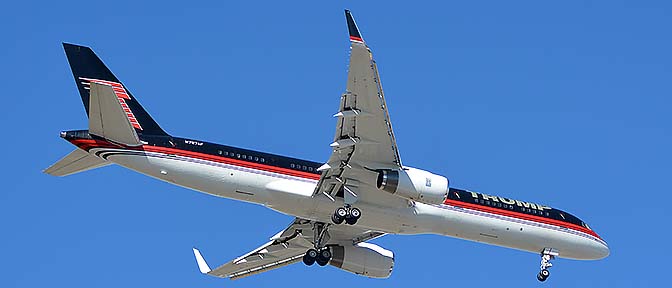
{"x": 292, "y": 195}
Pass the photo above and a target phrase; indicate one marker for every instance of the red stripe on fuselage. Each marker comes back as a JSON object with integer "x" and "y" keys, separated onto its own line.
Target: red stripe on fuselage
{"x": 87, "y": 144}
{"x": 520, "y": 216}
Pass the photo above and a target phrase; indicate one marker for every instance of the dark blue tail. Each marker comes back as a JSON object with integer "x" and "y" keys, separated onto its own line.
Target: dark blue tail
{"x": 87, "y": 67}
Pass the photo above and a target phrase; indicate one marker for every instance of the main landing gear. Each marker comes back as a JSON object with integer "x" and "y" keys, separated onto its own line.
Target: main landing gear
{"x": 546, "y": 256}
{"x": 321, "y": 253}
{"x": 348, "y": 214}
{"x": 321, "y": 256}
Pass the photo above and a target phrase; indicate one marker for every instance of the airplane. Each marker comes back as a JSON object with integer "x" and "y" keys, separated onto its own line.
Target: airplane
{"x": 362, "y": 192}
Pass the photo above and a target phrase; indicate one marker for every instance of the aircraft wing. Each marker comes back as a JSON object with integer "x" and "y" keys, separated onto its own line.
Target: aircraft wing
{"x": 286, "y": 247}
{"x": 364, "y": 140}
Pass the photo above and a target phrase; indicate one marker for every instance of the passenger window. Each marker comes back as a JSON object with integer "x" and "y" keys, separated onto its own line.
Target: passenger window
{"x": 256, "y": 158}
{"x": 262, "y": 160}
{"x": 310, "y": 169}
{"x": 244, "y": 157}
{"x": 237, "y": 155}
{"x": 219, "y": 152}
{"x": 304, "y": 167}
{"x": 292, "y": 165}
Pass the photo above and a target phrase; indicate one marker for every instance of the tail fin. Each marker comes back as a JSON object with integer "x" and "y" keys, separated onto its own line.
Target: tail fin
{"x": 87, "y": 67}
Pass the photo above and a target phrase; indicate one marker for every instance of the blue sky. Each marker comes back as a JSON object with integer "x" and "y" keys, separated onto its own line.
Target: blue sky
{"x": 558, "y": 103}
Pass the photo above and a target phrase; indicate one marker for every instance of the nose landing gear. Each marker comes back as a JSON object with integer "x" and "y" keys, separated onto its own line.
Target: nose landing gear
{"x": 543, "y": 274}
{"x": 546, "y": 256}
{"x": 348, "y": 214}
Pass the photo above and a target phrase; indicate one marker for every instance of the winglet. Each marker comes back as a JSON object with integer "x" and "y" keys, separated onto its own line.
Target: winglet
{"x": 355, "y": 36}
{"x": 202, "y": 265}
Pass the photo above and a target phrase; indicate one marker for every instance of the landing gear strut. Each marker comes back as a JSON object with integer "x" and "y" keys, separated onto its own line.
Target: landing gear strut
{"x": 546, "y": 256}
{"x": 348, "y": 214}
{"x": 321, "y": 253}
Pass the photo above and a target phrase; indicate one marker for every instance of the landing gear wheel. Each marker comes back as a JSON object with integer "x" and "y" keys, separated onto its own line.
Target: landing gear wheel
{"x": 325, "y": 254}
{"x": 337, "y": 219}
{"x": 355, "y": 213}
{"x": 312, "y": 253}
{"x": 540, "y": 278}
{"x": 324, "y": 257}
{"x": 308, "y": 261}
{"x": 341, "y": 212}
{"x": 339, "y": 215}
{"x": 543, "y": 275}
{"x": 310, "y": 257}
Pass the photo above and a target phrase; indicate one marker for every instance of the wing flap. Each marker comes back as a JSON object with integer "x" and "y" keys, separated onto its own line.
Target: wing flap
{"x": 269, "y": 256}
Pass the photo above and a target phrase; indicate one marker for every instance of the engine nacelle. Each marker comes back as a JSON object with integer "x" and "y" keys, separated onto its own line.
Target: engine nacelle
{"x": 364, "y": 259}
{"x": 414, "y": 184}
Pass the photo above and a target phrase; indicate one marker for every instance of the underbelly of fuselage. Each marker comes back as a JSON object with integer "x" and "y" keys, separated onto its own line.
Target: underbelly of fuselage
{"x": 292, "y": 195}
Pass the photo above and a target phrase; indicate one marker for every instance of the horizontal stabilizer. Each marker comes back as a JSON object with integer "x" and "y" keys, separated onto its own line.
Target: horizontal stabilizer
{"x": 75, "y": 162}
{"x": 108, "y": 119}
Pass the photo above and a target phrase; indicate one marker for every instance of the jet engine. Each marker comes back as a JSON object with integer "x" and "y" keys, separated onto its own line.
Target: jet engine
{"x": 364, "y": 259}
{"x": 414, "y": 184}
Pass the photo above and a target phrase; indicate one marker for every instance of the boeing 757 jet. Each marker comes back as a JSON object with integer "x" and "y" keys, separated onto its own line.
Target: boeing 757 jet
{"x": 362, "y": 192}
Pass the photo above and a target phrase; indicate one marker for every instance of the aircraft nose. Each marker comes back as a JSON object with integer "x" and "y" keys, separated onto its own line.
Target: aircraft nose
{"x": 601, "y": 249}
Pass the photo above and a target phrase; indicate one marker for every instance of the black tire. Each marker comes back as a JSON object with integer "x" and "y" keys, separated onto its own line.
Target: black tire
{"x": 355, "y": 213}
{"x": 350, "y": 220}
{"x": 312, "y": 253}
{"x": 321, "y": 261}
{"x": 341, "y": 212}
{"x": 337, "y": 220}
{"x": 325, "y": 254}
{"x": 308, "y": 260}
{"x": 545, "y": 273}
{"x": 540, "y": 278}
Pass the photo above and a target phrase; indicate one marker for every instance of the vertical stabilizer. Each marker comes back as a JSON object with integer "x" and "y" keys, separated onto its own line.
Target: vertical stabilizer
{"x": 87, "y": 68}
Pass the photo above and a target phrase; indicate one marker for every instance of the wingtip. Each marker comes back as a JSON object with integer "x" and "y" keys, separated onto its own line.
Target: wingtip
{"x": 352, "y": 28}
{"x": 202, "y": 265}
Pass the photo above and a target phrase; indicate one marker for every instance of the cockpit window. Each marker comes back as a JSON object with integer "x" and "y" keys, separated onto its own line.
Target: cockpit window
{"x": 584, "y": 224}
